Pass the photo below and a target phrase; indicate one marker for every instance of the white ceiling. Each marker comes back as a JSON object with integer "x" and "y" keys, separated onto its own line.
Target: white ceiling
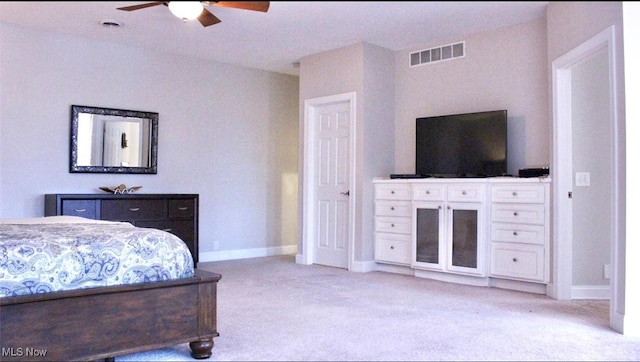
{"x": 274, "y": 40}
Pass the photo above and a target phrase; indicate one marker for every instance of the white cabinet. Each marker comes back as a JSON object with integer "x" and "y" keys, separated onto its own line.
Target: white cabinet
{"x": 448, "y": 233}
{"x": 494, "y": 228}
{"x": 520, "y": 232}
{"x": 393, "y": 223}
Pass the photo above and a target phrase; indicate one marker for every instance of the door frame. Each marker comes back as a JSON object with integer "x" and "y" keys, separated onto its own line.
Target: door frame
{"x": 309, "y": 232}
{"x": 562, "y": 174}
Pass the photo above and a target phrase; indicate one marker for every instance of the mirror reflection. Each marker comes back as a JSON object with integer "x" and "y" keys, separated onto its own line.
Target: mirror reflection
{"x": 109, "y": 140}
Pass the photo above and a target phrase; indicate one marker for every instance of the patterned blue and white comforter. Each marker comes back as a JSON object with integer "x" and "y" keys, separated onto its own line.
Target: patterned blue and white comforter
{"x": 56, "y": 253}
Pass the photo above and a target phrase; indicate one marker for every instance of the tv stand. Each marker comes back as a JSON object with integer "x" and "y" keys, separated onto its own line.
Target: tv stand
{"x": 492, "y": 231}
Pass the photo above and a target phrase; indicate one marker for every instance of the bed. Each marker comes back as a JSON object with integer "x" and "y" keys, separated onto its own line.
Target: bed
{"x": 79, "y": 289}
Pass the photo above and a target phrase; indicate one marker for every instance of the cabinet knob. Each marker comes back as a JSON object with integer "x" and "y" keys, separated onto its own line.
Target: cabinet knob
{"x": 427, "y": 192}
{"x": 392, "y": 192}
{"x": 515, "y": 213}
{"x": 393, "y": 225}
{"x": 515, "y": 233}
{"x": 392, "y": 208}
{"x": 514, "y": 193}
{"x": 515, "y": 260}
{"x": 464, "y": 192}
{"x": 392, "y": 247}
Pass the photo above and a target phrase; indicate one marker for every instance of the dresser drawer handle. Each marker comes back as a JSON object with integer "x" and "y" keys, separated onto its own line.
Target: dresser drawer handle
{"x": 79, "y": 210}
{"x": 183, "y": 208}
{"x": 134, "y": 209}
{"x": 167, "y": 230}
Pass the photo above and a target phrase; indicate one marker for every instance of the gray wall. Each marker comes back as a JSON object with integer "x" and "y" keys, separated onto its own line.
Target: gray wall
{"x": 502, "y": 69}
{"x": 227, "y": 133}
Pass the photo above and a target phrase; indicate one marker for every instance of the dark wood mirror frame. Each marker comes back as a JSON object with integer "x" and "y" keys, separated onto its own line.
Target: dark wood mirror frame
{"x": 150, "y": 167}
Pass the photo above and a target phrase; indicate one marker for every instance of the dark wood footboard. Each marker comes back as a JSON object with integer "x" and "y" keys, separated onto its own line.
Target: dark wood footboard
{"x": 99, "y": 323}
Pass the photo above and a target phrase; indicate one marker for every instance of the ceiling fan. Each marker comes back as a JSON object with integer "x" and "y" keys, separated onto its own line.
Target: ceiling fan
{"x": 187, "y": 10}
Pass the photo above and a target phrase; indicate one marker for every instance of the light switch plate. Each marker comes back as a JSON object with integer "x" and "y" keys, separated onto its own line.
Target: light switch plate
{"x": 583, "y": 179}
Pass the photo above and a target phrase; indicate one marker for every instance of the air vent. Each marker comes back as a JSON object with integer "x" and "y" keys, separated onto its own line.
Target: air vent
{"x": 437, "y": 54}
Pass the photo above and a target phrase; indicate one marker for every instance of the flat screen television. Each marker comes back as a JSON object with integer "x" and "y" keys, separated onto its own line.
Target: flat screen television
{"x": 462, "y": 145}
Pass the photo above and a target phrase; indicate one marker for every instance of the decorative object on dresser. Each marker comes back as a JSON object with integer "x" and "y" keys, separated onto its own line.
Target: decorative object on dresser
{"x": 481, "y": 231}
{"x": 175, "y": 213}
{"x": 120, "y": 189}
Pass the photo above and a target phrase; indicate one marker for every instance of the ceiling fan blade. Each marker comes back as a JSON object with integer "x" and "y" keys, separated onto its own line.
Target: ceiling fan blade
{"x": 206, "y": 18}
{"x": 246, "y": 5}
{"x": 141, "y": 6}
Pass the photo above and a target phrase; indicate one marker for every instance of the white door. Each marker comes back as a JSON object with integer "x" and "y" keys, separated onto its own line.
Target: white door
{"x": 328, "y": 178}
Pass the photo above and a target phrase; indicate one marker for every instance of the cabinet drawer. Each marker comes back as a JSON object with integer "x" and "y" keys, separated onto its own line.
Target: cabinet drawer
{"x": 518, "y": 233}
{"x": 517, "y": 261}
{"x": 465, "y": 192}
{"x": 518, "y": 193}
{"x": 133, "y": 209}
{"x": 393, "y": 191}
{"x": 84, "y": 208}
{"x": 428, "y": 192}
{"x": 182, "y": 208}
{"x": 393, "y": 208}
{"x": 518, "y": 213}
{"x": 393, "y": 248}
{"x": 401, "y": 225}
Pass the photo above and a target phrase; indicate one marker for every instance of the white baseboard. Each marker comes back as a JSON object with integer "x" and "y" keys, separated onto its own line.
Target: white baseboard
{"x": 363, "y": 266}
{"x": 247, "y": 253}
{"x": 591, "y": 292}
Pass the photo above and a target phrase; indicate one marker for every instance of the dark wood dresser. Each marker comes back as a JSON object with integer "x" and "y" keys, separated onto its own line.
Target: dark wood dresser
{"x": 175, "y": 213}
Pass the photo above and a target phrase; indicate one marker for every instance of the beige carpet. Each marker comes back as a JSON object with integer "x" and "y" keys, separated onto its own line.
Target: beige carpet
{"x": 271, "y": 309}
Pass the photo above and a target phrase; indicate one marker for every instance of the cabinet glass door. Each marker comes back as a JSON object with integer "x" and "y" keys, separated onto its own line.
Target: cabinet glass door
{"x": 428, "y": 235}
{"x": 464, "y": 252}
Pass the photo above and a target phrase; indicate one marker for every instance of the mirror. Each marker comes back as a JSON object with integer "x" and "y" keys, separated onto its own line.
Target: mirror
{"x": 106, "y": 140}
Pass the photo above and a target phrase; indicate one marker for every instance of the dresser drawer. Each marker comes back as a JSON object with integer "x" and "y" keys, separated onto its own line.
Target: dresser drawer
{"x": 517, "y": 261}
{"x": 465, "y": 193}
{"x": 181, "y": 208}
{"x": 184, "y": 229}
{"x": 428, "y": 192}
{"x": 393, "y": 208}
{"x": 134, "y": 209}
{"x": 518, "y": 213}
{"x": 518, "y": 233}
{"x": 83, "y": 208}
{"x": 518, "y": 193}
{"x": 393, "y": 248}
{"x": 390, "y": 224}
{"x": 393, "y": 191}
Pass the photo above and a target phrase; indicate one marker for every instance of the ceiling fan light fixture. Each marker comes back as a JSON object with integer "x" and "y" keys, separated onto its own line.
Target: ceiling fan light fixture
{"x": 186, "y": 10}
